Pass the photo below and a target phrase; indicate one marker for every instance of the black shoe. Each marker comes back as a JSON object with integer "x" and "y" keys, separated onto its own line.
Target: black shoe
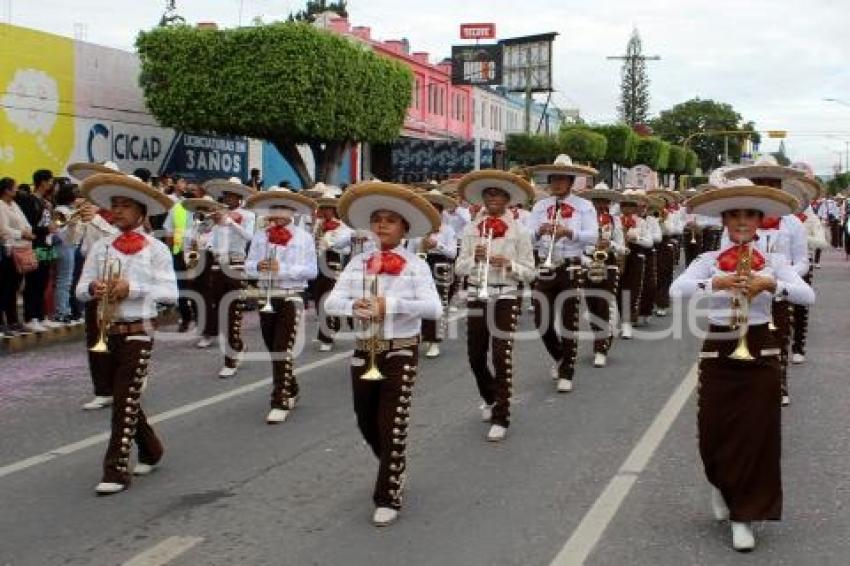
{"x": 184, "y": 327}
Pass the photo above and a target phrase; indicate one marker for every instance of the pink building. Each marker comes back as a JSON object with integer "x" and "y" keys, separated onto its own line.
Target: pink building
{"x": 436, "y": 140}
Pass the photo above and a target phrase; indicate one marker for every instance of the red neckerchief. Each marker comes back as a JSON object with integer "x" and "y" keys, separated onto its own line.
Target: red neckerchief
{"x": 235, "y": 216}
{"x": 497, "y": 225}
{"x": 566, "y": 210}
{"x": 330, "y": 225}
{"x": 728, "y": 260}
{"x": 629, "y": 221}
{"x": 106, "y": 214}
{"x": 385, "y": 263}
{"x": 605, "y": 219}
{"x": 130, "y": 242}
{"x": 278, "y": 235}
{"x": 672, "y": 207}
{"x": 802, "y": 216}
{"x": 770, "y": 223}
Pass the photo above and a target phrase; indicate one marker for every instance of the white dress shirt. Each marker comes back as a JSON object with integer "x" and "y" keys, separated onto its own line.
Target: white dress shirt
{"x": 815, "y": 233}
{"x": 232, "y": 238}
{"x": 457, "y": 219}
{"x": 654, "y": 229}
{"x": 12, "y": 223}
{"x": 582, "y": 223}
{"x": 515, "y": 244}
{"x": 337, "y": 240}
{"x": 613, "y": 232}
{"x": 697, "y": 279}
{"x": 789, "y": 240}
{"x": 409, "y": 296}
{"x": 708, "y": 221}
{"x": 446, "y": 243}
{"x": 297, "y": 260}
{"x": 640, "y": 234}
{"x": 150, "y": 273}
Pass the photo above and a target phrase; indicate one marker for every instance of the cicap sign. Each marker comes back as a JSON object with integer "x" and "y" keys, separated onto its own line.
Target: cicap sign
{"x": 136, "y": 145}
{"x": 478, "y": 31}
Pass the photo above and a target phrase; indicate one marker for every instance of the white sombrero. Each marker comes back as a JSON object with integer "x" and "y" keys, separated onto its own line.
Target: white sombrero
{"x": 741, "y": 194}
{"x": 203, "y": 204}
{"x": 601, "y": 192}
{"x": 102, "y": 187}
{"x": 329, "y": 197}
{"x": 765, "y": 167}
{"x": 360, "y": 201}
{"x": 217, "y": 187}
{"x": 435, "y": 196}
{"x": 564, "y": 166}
{"x": 82, "y": 171}
{"x": 472, "y": 185}
{"x": 634, "y": 196}
{"x": 267, "y": 200}
{"x": 668, "y": 195}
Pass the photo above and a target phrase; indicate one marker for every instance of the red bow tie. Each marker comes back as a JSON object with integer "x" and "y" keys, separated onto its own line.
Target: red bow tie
{"x": 802, "y": 216}
{"x": 130, "y": 243}
{"x": 278, "y": 235}
{"x": 566, "y": 210}
{"x": 629, "y": 221}
{"x": 235, "y": 216}
{"x": 385, "y": 263}
{"x": 604, "y": 219}
{"x": 770, "y": 223}
{"x": 672, "y": 207}
{"x": 496, "y": 225}
{"x": 728, "y": 260}
{"x": 330, "y": 225}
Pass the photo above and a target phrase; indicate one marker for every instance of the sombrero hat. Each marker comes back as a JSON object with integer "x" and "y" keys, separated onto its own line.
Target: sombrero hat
{"x": 668, "y": 196}
{"x": 805, "y": 189}
{"x": 82, "y": 171}
{"x": 766, "y": 167}
{"x": 472, "y": 185}
{"x": 102, "y": 187}
{"x": 217, "y": 187}
{"x": 601, "y": 192}
{"x": 204, "y": 204}
{"x": 563, "y": 165}
{"x": 634, "y": 196}
{"x": 269, "y": 199}
{"x": 435, "y": 196}
{"x": 742, "y": 194}
{"x": 358, "y": 203}
{"x": 329, "y": 197}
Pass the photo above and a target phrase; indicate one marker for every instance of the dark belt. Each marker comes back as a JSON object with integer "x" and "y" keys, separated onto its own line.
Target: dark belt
{"x": 386, "y": 345}
{"x": 132, "y": 327}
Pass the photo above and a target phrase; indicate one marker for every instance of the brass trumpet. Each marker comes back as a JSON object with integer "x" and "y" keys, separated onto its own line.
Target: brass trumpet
{"x": 741, "y": 309}
{"x": 110, "y": 271}
{"x": 370, "y": 290}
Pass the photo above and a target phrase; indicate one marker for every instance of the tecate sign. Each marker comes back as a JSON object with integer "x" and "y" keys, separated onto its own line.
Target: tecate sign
{"x": 477, "y": 31}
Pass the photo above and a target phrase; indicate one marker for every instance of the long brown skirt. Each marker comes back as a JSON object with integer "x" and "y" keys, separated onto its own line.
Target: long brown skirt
{"x": 739, "y": 420}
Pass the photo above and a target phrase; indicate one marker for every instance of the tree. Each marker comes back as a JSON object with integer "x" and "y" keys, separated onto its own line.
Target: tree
{"x": 316, "y": 7}
{"x": 677, "y": 160}
{"x": 634, "y": 84}
{"x": 622, "y": 143}
{"x": 781, "y": 155}
{"x": 532, "y": 149}
{"x": 650, "y": 152}
{"x": 680, "y": 123}
{"x": 286, "y": 83}
{"x": 582, "y": 144}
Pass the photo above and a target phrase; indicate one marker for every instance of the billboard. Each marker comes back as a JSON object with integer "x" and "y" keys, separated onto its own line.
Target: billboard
{"x": 527, "y": 62}
{"x": 478, "y": 31}
{"x": 477, "y": 64}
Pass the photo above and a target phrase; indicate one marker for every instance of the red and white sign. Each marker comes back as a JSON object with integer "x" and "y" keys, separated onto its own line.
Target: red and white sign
{"x": 478, "y": 31}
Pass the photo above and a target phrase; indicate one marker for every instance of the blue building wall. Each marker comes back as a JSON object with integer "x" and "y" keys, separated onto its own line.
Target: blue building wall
{"x": 277, "y": 169}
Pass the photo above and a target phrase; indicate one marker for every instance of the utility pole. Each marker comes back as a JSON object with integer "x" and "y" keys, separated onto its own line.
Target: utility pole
{"x": 528, "y": 97}
{"x": 633, "y": 59}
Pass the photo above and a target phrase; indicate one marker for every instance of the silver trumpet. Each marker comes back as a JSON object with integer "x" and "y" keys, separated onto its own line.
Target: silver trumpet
{"x": 484, "y": 268}
{"x": 549, "y": 264}
{"x": 370, "y": 290}
{"x": 270, "y": 255}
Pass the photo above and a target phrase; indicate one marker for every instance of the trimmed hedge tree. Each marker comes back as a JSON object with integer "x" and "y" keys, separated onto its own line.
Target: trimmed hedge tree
{"x": 583, "y": 145}
{"x": 287, "y": 83}
{"x": 621, "y": 145}
{"x": 531, "y": 149}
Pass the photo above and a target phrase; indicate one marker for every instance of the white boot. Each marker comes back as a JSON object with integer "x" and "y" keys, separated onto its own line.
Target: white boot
{"x": 433, "y": 350}
{"x": 486, "y": 412}
{"x": 204, "y": 342}
{"x": 496, "y": 433}
{"x": 553, "y": 371}
{"x": 743, "y": 539}
{"x": 600, "y": 360}
{"x": 143, "y": 469}
{"x": 325, "y": 347}
{"x": 798, "y": 359}
{"x": 786, "y": 400}
{"x": 98, "y": 402}
{"x": 108, "y": 488}
{"x": 384, "y": 516}
{"x": 227, "y": 372}
{"x": 660, "y": 312}
{"x": 718, "y": 505}
{"x": 565, "y": 385}
{"x": 626, "y": 331}
{"x": 277, "y": 416}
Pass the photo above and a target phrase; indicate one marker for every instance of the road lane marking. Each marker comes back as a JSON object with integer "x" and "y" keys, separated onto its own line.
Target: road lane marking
{"x": 96, "y": 439}
{"x": 164, "y": 552}
{"x": 592, "y": 526}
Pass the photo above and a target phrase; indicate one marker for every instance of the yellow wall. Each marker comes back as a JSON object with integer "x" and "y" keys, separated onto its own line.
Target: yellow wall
{"x": 36, "y": 101}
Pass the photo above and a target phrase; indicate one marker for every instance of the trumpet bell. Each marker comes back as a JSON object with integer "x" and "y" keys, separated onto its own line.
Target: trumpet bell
{"x": 742, "y": 352}
{"x": 267, "y": 308}
{"x": 372, "y": 374}
{"x": 100, "y": 347}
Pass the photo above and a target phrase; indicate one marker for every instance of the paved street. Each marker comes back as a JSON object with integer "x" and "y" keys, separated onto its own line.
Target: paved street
{"x": 233, "y": 490}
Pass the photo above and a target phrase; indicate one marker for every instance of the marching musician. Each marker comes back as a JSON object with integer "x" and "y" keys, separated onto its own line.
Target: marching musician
{"x": 439, "y": 249}
{"x": 651, "y": 213}
{"x": 283, "y": 258}
{"x": 496, "y": 255}
{"x": 638, "y": 238}
{"x": 667, "y": 248}
{"x": 222, "y": 278}
{"x": 780, "y": 235}
{"x": 738, "y": 415}
{"x": 126, "y": 275}
{"x": 601, "y": 289}
{"x": 388, "y": 291}
{"x": 563, "y": 225}
{"x": 333, "y": 244}
{"x": 94, "y": 223}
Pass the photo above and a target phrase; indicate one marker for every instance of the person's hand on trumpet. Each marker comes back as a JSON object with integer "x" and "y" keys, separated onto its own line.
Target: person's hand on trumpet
{"x": 268, "y": 265}
{"x": 370, "y": 308}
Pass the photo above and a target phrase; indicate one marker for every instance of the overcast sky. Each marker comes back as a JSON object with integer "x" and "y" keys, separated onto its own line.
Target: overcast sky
{"x": 773, "y": 60}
